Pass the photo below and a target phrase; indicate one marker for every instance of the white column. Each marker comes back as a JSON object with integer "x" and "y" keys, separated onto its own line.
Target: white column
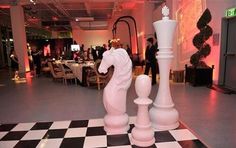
{"x": 19, "y": 37}
{"x": 163, "y": 114}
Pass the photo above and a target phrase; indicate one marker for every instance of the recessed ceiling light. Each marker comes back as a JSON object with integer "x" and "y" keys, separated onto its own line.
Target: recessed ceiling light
{"x": 84, "y": 19}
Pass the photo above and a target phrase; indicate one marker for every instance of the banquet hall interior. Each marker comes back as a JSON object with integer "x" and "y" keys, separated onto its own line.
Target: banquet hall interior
{"x": 51, "y": 50}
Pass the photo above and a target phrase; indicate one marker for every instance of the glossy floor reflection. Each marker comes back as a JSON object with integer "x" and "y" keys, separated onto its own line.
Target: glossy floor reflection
{"x": 209, "y": 114}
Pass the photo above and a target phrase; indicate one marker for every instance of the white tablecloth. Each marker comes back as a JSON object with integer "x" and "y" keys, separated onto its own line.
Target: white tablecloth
{"x": 77, "y": 69}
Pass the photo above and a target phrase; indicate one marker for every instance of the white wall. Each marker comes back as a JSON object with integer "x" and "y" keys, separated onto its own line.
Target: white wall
{"x": 91, "y": 37}
{"x": 138, "y": 14}
{"x": 143, "y": 14}
{"x": 123, "y": 33}
{"x": 100, "y": 37}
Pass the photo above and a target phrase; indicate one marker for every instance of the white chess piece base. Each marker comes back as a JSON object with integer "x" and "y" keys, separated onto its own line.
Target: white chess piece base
{"x": 164, "y": 119}
{"x": 116, "y": 124}
{"x": 143, "y": 136}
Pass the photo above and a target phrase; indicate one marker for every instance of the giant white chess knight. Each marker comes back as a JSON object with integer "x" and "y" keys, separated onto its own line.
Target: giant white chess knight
{"x": 116, "y": 121}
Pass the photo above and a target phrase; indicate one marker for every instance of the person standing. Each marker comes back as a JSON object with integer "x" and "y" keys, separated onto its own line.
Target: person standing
{"x": 150, "y": 59}
{"x": 14, "y": 63}
{"x": 94, "y": 53}
{"x": 129, "y": 51}
{"x": 156, "y": 47}
{"x": 36, "y": 54}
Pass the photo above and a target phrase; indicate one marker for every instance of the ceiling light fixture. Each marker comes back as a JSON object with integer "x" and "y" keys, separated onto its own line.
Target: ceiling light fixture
{"x": 84, "y": 19}
{"x": 33, "y": 1}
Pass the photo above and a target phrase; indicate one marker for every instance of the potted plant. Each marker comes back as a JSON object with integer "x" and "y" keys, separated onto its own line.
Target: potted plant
{"x": 200, "y": 73}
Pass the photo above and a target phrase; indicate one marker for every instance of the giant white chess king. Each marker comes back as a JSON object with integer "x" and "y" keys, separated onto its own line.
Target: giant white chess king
{"x": 163, "y": 114}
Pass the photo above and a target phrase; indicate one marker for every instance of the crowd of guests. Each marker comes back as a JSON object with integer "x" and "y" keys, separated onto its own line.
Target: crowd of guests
{"x": 95, "y": 52}
{"x": 92, "y": 53}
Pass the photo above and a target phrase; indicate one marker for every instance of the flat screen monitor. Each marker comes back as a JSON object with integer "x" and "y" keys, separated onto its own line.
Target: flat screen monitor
{"x": 75, "y": 48}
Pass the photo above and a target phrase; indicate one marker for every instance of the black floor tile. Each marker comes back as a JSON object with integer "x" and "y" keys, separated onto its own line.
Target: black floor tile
{"x": 57, "y": 133}
{"x": 14, "y": 135}
{"x": 7, "y": 127}
{"x": 163, "y": 136}
{"x": 131, "y": 127}
{"x": 72, "y": 142}
{"x": 118, "y": 140}
{"x": 42, "y": 125}
{"x": 192, "y": 144}
{"x": 27, "y": 144}
{"x": 95, "y": 131}
{"x": 79, "y": 123}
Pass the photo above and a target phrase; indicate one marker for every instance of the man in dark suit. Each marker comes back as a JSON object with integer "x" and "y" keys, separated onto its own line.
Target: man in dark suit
{"x": 156, "y": 46}
{"x": 150, "y": 59}
{"x": 36, "y": 54}
{"x": 94, "y": 54}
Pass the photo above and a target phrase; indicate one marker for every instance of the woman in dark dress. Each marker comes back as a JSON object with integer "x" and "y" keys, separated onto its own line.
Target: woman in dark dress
{"x": 14, "y": 63}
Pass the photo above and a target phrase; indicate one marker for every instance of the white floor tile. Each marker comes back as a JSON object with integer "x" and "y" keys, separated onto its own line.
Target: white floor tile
{"x": 7, "y": 144}
{"x": 23, "y": 127}
{"x": 95, "y": 141}
{"x": 95, "y": 122}
{"x": 60, "y": 125}
{"x": 75, "y": 132}
{"x": 168, "y": 145}
{"x": 182, "y": 134}
{"x": 35, "y": 134}
{"x": 49, "y": 143}
{"x": 2, "y": 134}
{"x": 130, "y": 139}
{"x": 132, "y": 120}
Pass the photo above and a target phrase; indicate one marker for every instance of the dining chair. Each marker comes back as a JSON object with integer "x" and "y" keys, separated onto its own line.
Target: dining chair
{"x": 56, "y": 73}
{"x": 93, "y": 76}
{"x": 67, "y": 74}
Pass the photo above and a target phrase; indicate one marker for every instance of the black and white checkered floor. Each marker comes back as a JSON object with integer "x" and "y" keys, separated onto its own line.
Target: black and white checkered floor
{"x": 87, "y": 134}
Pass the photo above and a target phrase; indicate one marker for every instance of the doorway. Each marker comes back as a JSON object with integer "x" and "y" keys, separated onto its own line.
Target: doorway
{"x": 228, "y": 54}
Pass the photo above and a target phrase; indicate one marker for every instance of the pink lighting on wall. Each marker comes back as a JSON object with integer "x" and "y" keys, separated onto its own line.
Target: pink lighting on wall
{"x": 26, "y": 61}
{"x": 134, "y": 45}
{"x": 188, "y": 14}
{"x": 4, "y": 6}
{"x": 46, "y": 50}
{"x": 128, "y": 5}
{"x": 213, "y": 59}
{"x": 54, "y": 18}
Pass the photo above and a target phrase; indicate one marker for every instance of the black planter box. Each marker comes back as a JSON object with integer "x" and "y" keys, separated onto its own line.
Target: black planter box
{"x": 199, "y": 76}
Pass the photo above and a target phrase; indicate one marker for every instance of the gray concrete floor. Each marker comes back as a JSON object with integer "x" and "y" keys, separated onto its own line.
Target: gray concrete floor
{"x": 209, "y": 114}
